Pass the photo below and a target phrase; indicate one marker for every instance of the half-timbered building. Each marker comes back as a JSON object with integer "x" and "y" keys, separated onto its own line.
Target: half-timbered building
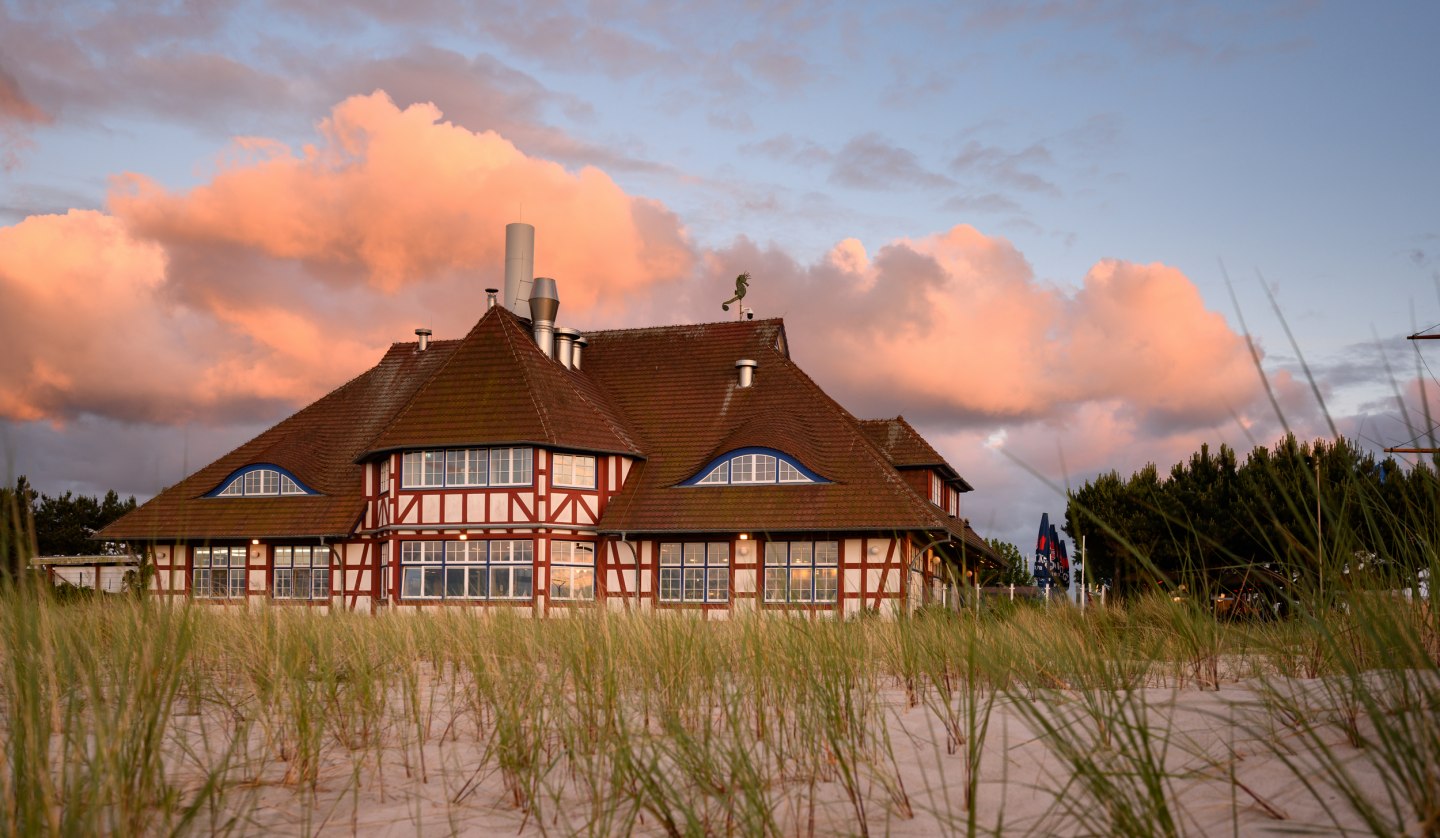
{"x": 691, "y": 467}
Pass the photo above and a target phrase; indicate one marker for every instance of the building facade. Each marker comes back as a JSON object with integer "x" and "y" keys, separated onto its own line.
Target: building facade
{"x": 693, "y": 468}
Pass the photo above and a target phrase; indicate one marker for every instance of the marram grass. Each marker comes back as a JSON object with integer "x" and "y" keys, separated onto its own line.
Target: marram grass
{"x": 133, "y": 717}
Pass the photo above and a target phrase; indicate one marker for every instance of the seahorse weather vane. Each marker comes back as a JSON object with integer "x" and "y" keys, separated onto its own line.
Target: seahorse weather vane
{"x": 741, "y": 283}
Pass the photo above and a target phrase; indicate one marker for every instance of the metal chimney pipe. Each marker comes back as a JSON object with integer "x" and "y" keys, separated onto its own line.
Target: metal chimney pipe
{"x": 580, "y": 343}
{"x": 746, "y": 368}
{"x": 424, "y": 339}
{"x": 490, "y": 297}
{"x": 519, "y": 266}
{"x": 565, "y": 346}
{"x": 544, "y": 305}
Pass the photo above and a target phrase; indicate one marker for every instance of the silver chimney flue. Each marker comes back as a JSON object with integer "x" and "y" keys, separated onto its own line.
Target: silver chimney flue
{"x": 747, "y": 371}
{"x": 490, "y": 297}
{"x": 580, "y": 343}
{"x": 519, "y": 266}
{"x": 565, "y": 347}
{"x": 544, "y": 305}
{"x": 422, "y": 339}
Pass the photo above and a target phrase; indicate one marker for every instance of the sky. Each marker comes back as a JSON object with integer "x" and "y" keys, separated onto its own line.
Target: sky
{"x": 1059, "y": 238}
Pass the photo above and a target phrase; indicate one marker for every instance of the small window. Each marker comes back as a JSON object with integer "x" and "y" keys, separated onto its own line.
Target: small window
{"x": 719, "y": 474}
{"x": 218, "y": 572}
{"x": 572, "y": 570}
{"x": 802, "y": 572}
{"x": 259, "y": 481}
{"x": 511, "y": 466}
{"x": 302, "y": 572}
{"x": 573, "y": 471}
{"x": 695, "y": 572}
{"x": 752, "y": 466}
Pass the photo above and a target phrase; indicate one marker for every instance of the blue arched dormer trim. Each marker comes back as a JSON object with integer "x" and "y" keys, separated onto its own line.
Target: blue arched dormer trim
{"x": 285, "y": 484}
{"x": 707, "y": 475}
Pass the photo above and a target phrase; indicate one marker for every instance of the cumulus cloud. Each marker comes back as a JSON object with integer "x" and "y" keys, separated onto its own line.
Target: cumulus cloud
{"x": 955, "y": 328}
{"x": 393, "y": 197}
{"x": 281, "y": 276}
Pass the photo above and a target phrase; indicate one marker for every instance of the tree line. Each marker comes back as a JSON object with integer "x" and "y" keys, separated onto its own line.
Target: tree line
{"x": 36, "y": 524}
{"x": 1292, "y": 508}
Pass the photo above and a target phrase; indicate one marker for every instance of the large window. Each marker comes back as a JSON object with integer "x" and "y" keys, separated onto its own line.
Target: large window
{"x": 573, "y": 470}
{"x": 695, "y": 572}
{"x": 302, "y": 572}
{"x": 218, "y": 572}
{"x": 252, "y": 482}
{"x": 572, "y": 570}
{"x": 754, "y": 466}
{"x": 462, "y": 467}
{"x": 801, "y": 571}
{"x": 467, "y": 569}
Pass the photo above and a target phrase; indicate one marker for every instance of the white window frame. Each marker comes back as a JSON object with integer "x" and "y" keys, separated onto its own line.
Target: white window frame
{"x": 572, "y": 471}
{"x": 753, "y": 469}
{"x": 261, "y": 483}
{"x": 467, "y": 468}
{"x": 571, "y": 562}
{"x": 802, "y": 572}
{"x": 432, "y": 570}
{"x": 300, "y": 566}
{"x": 694, "y": 573}
{"x": 203, "y": 566}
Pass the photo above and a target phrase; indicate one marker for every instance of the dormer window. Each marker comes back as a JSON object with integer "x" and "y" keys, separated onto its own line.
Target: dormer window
{"x": 260, "y": 481}
{"x": 754, "y": 466}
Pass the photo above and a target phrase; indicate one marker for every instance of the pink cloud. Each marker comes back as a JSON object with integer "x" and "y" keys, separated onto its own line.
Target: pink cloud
{"x": 393, "y": 198}
{"x": 288, "y": 272}
{"x": 955, "y": 326}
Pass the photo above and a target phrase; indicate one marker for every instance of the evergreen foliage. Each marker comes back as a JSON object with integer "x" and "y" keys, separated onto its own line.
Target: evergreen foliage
{"x": 1213, "y": 515}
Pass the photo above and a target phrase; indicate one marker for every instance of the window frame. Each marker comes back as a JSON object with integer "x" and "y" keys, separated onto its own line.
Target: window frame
{"x": 755, "y": 467}
{"x": 686, "y": 564}
{"x": 317, "y": 575}
{"x": 565, "y": 474}
{"x": 233, "y": 572}
{"x": 268, "y": 480}
{"x": 436, "y": 566}
{"x": 795, "y": 562}
{"x": 432, "y": 468}
{"x": 567, "y": 568}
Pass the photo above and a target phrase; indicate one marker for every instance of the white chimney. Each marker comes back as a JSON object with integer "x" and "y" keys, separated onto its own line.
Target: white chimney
{"x": 423, "y": 336}
{"x": 580, "y": 343}
{"x": 564, "y": 346}
{"x": 747, "y": 371}
{"x": 490, "y": 294}
{"x": 519, "y": 266}
{"x": 544, "y": 305}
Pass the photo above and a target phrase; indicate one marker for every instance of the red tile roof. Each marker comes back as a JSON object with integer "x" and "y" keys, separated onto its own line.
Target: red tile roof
{"x": 496, "y": 388}
{"x": 319, "y": 445}
{"x": 906, "y": 448}
{"x": 677, "y": 386}
{"x": 667, "y": 396}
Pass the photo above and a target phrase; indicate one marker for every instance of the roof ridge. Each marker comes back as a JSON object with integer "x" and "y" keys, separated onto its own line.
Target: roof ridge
{"x": 525, "y": 372}
{"x": 415, "y": 396}
{"x": 891, "y": 473}
{"x": 644, "y": 329}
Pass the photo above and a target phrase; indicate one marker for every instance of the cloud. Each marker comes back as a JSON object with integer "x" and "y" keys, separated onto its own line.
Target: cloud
{"x": 17, "y": 116}
{"x": 955, "y": 329}
{"x": 1006, "y": 167}
{"x": 870, "y": 161}
{"x": 787, "y": 148}
{"x": 282, "y": 276}
{"x": 393, "y": 197}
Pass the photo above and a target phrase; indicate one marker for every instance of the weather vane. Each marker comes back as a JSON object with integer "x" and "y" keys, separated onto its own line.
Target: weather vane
{"x": 741, "y": 283}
